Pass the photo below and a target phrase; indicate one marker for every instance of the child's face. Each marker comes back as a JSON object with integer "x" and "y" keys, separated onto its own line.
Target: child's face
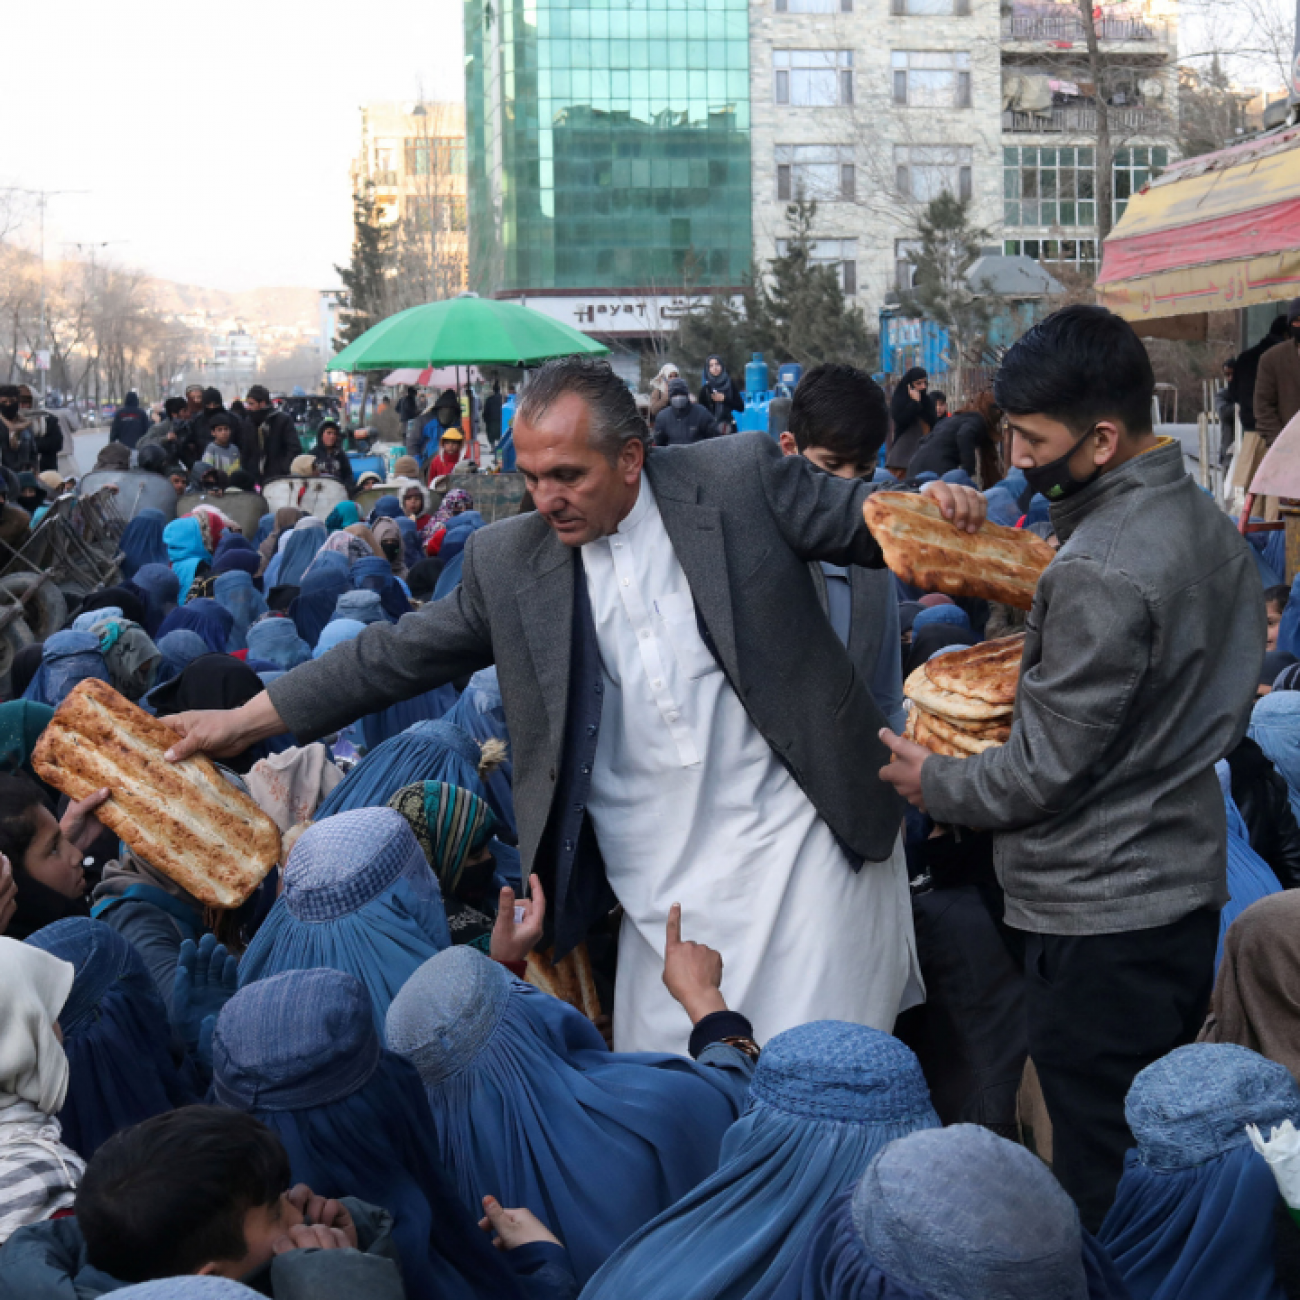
{"x": 221, "y": 436}
{"x": 264, "y": 1225}
{"x": 1274, "y": 618}
{"x": 833, "y": 463}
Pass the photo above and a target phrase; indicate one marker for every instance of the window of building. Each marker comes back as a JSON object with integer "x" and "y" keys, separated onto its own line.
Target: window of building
{"x": 918, "y": 8}
{"x": 447, "y": 213}
{"x": 839, "y": 254}
{"x": 813, "y": 6}
{"x": 385, "y": 162}
{"x": 931, "y": 78}
{"x": 435, "y": 156}
{"x": 813, "y": 78}
{"x": 1048, "y": 185}
{"x": 1076, "y": 252}
{"x": 922, "y": 171}
{"x": 904, "y": 267}
{"x": 449, "y": 155}
{"x": 824, "y": 172}
{"x": 1135, "y": 166}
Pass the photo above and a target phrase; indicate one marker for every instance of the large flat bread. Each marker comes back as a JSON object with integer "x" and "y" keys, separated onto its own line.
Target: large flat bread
{"x": 950, "y": 704}
{"x": 968, "y": 741}
{"x": 923, "y": 548}
{"x": 989, "y": 671}
{"x": 936, "y": 744}
{"x": 182, "y": 818}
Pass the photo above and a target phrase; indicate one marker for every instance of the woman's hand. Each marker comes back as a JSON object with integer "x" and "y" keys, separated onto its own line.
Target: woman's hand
{"x": 511, "y": 1228}
{"x": 80, "y": 827}
{"x": 513, "y": 940}
{"x": 692, "y": 971}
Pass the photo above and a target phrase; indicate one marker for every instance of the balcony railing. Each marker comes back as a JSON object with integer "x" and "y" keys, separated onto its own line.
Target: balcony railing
{"x": 1082, "y": 119}
{"x": 1069, "y": 27}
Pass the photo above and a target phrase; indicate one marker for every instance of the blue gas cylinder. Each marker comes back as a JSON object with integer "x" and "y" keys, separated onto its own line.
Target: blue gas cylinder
{"x": 756, "y": 375}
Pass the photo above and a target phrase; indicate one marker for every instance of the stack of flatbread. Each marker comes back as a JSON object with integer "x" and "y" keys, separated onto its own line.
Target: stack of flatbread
{"x": 962, "y": 701}
{"x": 923, "y": 548}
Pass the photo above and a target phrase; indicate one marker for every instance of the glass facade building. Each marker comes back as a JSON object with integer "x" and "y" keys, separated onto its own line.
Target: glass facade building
{"x": 608, "y": 144}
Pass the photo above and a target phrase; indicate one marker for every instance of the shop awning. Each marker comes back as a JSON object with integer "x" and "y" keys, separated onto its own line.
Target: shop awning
{"x": 1211, "y": 234}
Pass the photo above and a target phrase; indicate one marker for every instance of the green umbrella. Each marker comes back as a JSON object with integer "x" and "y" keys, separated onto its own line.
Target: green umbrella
{"x": 464, "y": 331}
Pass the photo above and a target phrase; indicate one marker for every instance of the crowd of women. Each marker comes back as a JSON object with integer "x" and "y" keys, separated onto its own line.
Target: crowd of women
{"x": 352, "y": 1066}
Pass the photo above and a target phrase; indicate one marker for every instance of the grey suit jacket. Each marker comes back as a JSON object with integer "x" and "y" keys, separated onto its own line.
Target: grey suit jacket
{"x": 744, "y": 522}
{"x": 873, "y": 615}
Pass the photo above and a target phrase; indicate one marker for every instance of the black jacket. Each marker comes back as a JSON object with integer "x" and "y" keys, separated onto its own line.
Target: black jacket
{"x": 333, "y": 463}
{"x": 953, "y": 443}
{"x": 279, "y": 443}
{"x": 130, "y": 424}
{"x": 1262, "y": 798}
{"x": 1244, "y": 374}
{"x": 49, "y": 441}
{"x": 674, "y": 428}
{"x": 732, "y": 402}
{"x": 911, "y": 419}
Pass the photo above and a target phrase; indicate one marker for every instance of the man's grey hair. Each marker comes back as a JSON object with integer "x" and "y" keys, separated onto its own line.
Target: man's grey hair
{"x": 615, "y": 421}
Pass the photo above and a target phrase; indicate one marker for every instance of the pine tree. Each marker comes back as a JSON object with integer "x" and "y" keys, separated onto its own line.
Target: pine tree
{"x": 798, "y": 312}
{"x": 367, "y": 279}
{"x": 940, "y": 290}
{"x": 717, "y": 328}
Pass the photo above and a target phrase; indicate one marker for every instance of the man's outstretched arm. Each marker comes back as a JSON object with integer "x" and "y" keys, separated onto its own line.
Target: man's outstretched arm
{"x": 447, "y": 639}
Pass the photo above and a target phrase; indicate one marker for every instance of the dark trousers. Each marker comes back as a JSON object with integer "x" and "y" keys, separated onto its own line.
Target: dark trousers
{"x": 1101, "y": 1007}
{"x": 969, "y": 1033}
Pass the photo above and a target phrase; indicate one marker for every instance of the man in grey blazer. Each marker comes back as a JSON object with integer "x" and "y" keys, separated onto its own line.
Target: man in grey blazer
{"x": 684, "y": 720}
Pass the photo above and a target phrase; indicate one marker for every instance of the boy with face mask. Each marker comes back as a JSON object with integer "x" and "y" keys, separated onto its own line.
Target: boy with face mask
{"x": 1140, "y": 664}
{"x": 682, "y": 421}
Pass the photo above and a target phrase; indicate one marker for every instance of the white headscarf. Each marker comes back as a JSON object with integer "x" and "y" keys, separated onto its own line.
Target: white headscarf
{"x": 34, "y": 985}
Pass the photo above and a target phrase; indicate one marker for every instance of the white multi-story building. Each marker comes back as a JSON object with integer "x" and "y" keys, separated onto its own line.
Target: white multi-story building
{"x": 414, "y": 157}
{"x": 872, "y": 108}
{"x": 875, "y": 107}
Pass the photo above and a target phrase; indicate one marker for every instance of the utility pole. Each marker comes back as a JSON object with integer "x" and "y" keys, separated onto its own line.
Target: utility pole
{"x": 42, "y": 197}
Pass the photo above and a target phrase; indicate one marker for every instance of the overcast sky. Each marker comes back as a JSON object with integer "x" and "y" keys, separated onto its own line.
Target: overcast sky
{"x": 215, "y": 143}
{"x": 214, "y": 140}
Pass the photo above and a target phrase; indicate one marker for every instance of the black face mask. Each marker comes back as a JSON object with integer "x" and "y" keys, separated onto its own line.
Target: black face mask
{"x": 9, "y": 410}
{"x": 1054, "y": 480}
{"x": 391, "y": 549}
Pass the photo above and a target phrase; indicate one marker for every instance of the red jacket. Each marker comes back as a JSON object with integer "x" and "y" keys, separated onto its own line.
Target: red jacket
{"x": 440, "y": 465}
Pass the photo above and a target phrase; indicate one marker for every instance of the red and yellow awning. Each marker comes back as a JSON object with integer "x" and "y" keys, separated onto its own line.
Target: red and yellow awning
{"x": 1211, "y": 234}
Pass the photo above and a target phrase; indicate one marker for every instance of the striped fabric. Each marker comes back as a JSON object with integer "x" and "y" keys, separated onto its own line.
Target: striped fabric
{"x": 38, "y": 1174}
{"x": 451, "y": 823}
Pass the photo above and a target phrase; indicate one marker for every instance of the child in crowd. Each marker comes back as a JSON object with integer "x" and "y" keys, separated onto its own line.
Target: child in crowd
{"x": 204, "y": 1190}
{"x": 838, "y": 421}
{"x": 1275, "y": 602}
{"x": 221, "y": 453}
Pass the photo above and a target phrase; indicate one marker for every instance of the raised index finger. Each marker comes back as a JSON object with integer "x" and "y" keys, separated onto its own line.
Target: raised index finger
{"x": 674, "y": 925}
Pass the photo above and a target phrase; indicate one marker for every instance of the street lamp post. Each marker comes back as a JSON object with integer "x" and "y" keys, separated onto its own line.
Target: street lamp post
{"x": 42, "y": 197}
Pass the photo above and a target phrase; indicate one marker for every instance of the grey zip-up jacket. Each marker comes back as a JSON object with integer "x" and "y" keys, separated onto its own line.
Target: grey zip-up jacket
{"x": 1142, "y": 655}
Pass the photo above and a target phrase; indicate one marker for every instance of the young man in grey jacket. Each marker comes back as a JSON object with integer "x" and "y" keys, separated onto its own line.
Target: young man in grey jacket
{"x": 1141, "y": 658}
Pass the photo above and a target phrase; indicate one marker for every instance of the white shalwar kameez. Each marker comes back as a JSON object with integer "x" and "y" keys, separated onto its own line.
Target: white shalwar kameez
{"x": 690, "y": 805}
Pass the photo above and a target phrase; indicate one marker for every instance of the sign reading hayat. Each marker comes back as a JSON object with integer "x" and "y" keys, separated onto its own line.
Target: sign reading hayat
{"x": 629, "y": 314}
